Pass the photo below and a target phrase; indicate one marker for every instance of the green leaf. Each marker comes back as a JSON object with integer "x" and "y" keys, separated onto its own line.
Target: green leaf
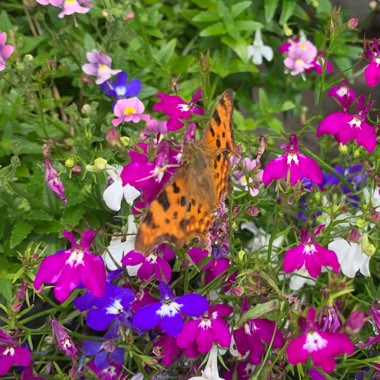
{"x": 164, "y": 55}
{"x": 206, "y": 16}
{"x": 258, "y": 311}
{"x": 20, "y": 231}
{"x": 147, "y": 91}
{"x": 5, "y": 22}
{"x": 239, "y": 46}
{"x": 6, "y": 289}
{"x": 88, "y": 42}
{"x": 263, "y": 102}
{"x": 287, "y": 11}
{"x": 239, "y": 8}
{"x": 213, "y": 30}
{"x": 287, "y": 105}
{"x": 247, "y": 25}
{"x": 275, "y": 125}
{"x": 72, "y": 216}
{"x": 270, "y": 7}
{"x": 30, "y": 43}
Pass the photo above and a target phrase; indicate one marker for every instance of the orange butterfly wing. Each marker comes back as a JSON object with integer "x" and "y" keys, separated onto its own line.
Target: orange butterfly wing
{"x": 184, "y": 208}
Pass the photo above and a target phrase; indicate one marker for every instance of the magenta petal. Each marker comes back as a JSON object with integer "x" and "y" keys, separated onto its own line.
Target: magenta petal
{"x": 87, "y": 239}
{"x": 241, "y": 340}
{"x": 93, "y": 274}
{"x": 163, "y": 270}
{"x": 367, "y": 137}
{"x": 7, "y": 51}
{"x": 133, "y": 258}
{"x": 313, "y": 265}
{"x": 328, "y": 258}
{"x": 372, "y": 74}
{"x": 70, "y": 237}
{"x": 204, "y": 340}
{"x": 257, "y": 349}
{"x": 67, "y": 282}
{"x": 145, "y": 271}
{"x": 346, "y": 134}
{"x": 188, "y": 334}
{"x": 22, "y": 356}
{"x": 221, "y": 332}
{"x": 326, "y": 362}
{"x": 275, "y": 169}
{"x": 50, "y": 269}
{"x": 310, "y": 168}
{"x": 294, "y": 259}
{"x": 333, "y": 123}
{"x": 6, "y": 363}
{"x": 296, "y": 174}
{"x": 295, "y": 351}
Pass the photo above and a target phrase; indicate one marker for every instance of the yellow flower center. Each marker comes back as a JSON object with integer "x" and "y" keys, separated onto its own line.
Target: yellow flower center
{"x": 303, "y": 46}
{"x": 299, "y": 61}
{"x": 70, "y": 1}
{"x": 129, "y": 111}
{"x": 101, "y": 67}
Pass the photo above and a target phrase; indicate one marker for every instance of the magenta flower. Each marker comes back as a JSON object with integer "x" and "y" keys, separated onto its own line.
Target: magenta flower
{"x": 53, "y": 180}
{"x": 99, "y": 66}
{"x": 372, "y": 71}
{"x": 169, "y": 311}
{"x": 73, "y": 267}
{"x": 69, "y": 7}
{"x": 176, "y": 108}
{"x": 292, "y": 165}
{"x": 310, "y": 255}
{"x": 343, "y": 94}
{"x": 346, "y": 127}
{"x": 112, "y": 372}
{"x": 330, "y": 322}
{"x": 5, "y": 50}
{"x": 64, "y": 341}
{"x": 322, "y": 346}
{"x": 317, "y": 67}
{"x": 301, "y": 56}
{"x": 127, "y": 110}
{"x": 156, "y": 262}
{"x": 210, "y": 328}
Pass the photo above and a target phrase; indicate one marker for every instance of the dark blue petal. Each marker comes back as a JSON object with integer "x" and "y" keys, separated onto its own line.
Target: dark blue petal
{"x": 108, "y": 88}
{"x": 118, "y": 355}
{"x": 113, "y": 331}
{"x": 133, "y": 88}
{"x": 121, "y": 79}
{"x": 114, "y": 274}
{"x": 172, "y": 325}
{"x": 165, "y": 291}
{"x": 85, "y": 302}
{"x": 331, "y": 179}
{"x": 193, "y": 304}
{"x": 127, "y": 297}
{"x": 98, "y": 319}
{"x": 147, "y": 317}
{"x": 102, "y": 360}
{"x": 91, "y": 347}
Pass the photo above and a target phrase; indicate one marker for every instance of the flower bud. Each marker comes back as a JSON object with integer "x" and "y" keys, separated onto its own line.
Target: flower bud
{"x": 100, "y": 164}
{"x": 125, "y": 140}
{"x": 76, "y": 169}
{"x": 353, "y": 23}
{"x": 343, "y": 149}
{"x": 129, "y": 16}
{"x": 355, "y": 322}
{"x": 368, "y": 248}
{"x": 70, "y": 162}
{"x": 361, "y": 223}
{"x": 287, "y": 30}
{"x": 113, "y": 137}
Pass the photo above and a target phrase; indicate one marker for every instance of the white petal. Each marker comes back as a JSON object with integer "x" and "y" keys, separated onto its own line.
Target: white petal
{"x": 113, "y": 195}
{"x": 114, "y": 253}
{"x": 267, "y": 53}
{"x": 130, "y": 193}
{"x": 255, "y": 53}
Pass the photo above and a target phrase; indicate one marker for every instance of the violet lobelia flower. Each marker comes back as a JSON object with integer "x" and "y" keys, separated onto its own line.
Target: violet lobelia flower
{"x": 54, "y": 181}
{"x": 372, "y": 71}
{"x": 73, "y": 267}
{"x": 176, "y": 108}
{"x": 310, "y": 255}
{"x": 64, "y": 341}
{"x": 292, "y": 165}
{"x": 112, "y": 372}
{"x": 5, "y": 50}
{"x": 322, "y": 346}
{"x": 346, "y": 127}
{"x": 210, "y": 328}
{"x": 105, "y": 353}
{"x": 99, "y": 66}
{"x": 169, "y": 311}
{"x": 120, "y": 88}
{"x": 127, "y": 110}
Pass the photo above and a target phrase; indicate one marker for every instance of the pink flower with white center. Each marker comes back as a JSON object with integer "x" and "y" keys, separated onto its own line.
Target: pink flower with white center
{"x": 346, "y": 127}
{"x": 5, "y": 50}
{"x": 292, "y": 165}
{"x": 99, "y": 66}
{"x": 127, "y": 110}
{"x": 322, "y": 346}
{"x": 176, "y": 108}
{"x": 211, "y": 328}
{"x": 54, "y": 181}
{"x": 156, "y": 262}
{"x": 301, "y": 56}
{"x": 372, "y": 71}
{"x": 310, "y": 255}
{"x": 64, "y": 341}
{"x": 343, "y": 94}
{"x": 69, "y": 7}
{"x": 73, "y": 267}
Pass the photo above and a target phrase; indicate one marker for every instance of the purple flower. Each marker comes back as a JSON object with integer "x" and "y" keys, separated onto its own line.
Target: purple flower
{"x": 330, "y": 322}
{"x": 322, "y": 346}
{"x": 106, "y": 352}
{"x": 355, "y": 322}
{"x": 99, "y": 65}
{"x": 166, "y": 347}
{"x": 176, "y": 108}
{"x": 69, "y": 7}
{"x": 5, "y": 50}
{"x": 310, "y": 255}
{"x": 127, "y": 110}
{"x": 372, "y": 71}
{"x": 293, "y": 165}
{"x": 120, "y": 87}
{"x": 210, "y": 328}
{"x": 156, "y": 262}
{"x": 112, "y": 372}
{"x": 375, "y": 313}
{"x": 114, "y": 304}
{"x": 346, "y": 127}
{"x": 244, "y": 371}
{"x": 73, "y": 267}
{"x": 301, "y": 56}
{"x": 343, "y": 94}
{"x": 168, "y": 312}
{"x": 53, "y": 180}
{"x": 64, "y": 341}
{"x": 154, "y": 126}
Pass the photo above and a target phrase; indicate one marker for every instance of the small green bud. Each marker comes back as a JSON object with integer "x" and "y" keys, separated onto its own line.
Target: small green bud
{"x": 70, "y": 162}
{"x": 343, "y": 149}
{"x": 125, "y": 140}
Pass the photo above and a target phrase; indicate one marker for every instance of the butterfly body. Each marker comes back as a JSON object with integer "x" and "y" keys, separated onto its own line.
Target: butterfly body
{"x": 184, "y": 208}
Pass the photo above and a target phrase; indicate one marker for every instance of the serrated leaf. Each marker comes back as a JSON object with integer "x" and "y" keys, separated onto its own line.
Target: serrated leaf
{"x": 206, "y": 16}
{"x": 213, "y": 30}
{"x": 270, "y": 7}
{"x": 6, "y": 290}
{"x": 20, "y": 231}
{"x": 38, "y": 215}
{"x": 288, "y": 7}
{"x": 239, "y": 8}
{"x": 72, "y": 216}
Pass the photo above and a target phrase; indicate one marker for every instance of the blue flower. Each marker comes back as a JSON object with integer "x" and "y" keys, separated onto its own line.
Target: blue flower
{"x": 120, "y": 88}
{"x": 169, "y": 311}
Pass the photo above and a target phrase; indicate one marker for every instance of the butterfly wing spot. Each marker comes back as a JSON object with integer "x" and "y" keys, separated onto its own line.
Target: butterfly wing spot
{"x": 167, "y": 220}
{"x": 216, "y": 117}
{"x": 149, "y": 220}
{"x": 182, "y": 201}
{"x": 175, "y": 215}
{"x": 163, "y": 200}
{"x": 176, "y": 189}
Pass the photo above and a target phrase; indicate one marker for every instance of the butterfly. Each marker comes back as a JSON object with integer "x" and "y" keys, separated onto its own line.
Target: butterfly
{"x": 184, "y": 208}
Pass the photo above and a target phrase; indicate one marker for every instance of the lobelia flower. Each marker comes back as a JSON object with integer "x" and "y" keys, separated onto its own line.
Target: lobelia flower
{"x": 64, "y": 341}
{"x": 203, "y": 332}
{"x": 293, "y": 165}
{"x": 120, "y": 87}
{"x": 372, "y": 71}
{"x": 168, "y": 312}
{"x": 54, "y": 181}
{"x": 156, "y": 262}
{"x": 99, "y": 66}
{"x": 211, "y": 371}
{"x": 343, "y": 94}
{"x": 310, "y": 255}
{"x": 11, "y": 353}
{"x": 127, "y": 110}
{"x": 112, "y": 372}
{"x": 318, "y": 67}
{"x": 176, "y": 108}
{"x": 347, "y": 127}
{"x": 244, "y": 371}
{"x": 258, "y": 50}
{"x": 73, "y": 267}
{"x": 330, "y": 322}
{"x": 156, "y": 127}
{"x": 322, "y": 346}
{"x": 116, "y": 191}
{"x": 5, "y": 50}
{"x": 355, "y": 322}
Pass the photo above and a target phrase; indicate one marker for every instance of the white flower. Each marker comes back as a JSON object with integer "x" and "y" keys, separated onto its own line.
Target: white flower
{"x": 258, "y": 50}
{"x": 211, "y": 370}
{"x": 351, "y": 257}
{"x": 300, "y": 278}
{"x": 118, "y": 248}
{"x": 372, "y": 198}
{"x": 114, "y": 193}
